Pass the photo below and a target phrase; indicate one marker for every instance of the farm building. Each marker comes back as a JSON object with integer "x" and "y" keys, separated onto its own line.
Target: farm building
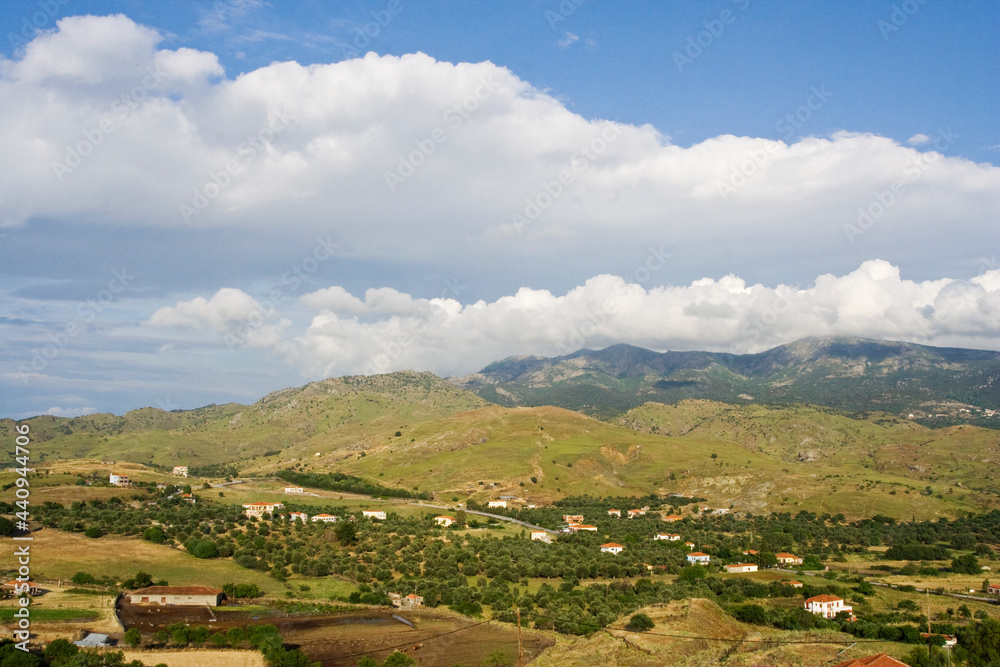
{"x": 93, "y": 640}
{"x": 573, "y": 518}
{"x": 260, "y": 509}
{"x": 741, "y": 567}
{"x": 410, "y": 601}
{"x": 325, "y": 518}
{"x": 788, "y": 559}
{"x": 118, "y": 479}
{"x": 444, "y": 520}
{"x": 497, "y": 503}
{"x": 672, "y": 518}
{"x": 181, "y": 471}
{"x": 617, "y": 513}
{"x": 374, "y": 514}
{"x": 298, "y": 516}
{"x": 15, "y": 587}
{"x": 827, "y": 606}
{"x": 191, "y": 596}
{"x": 612, "y": 548}
{"x": 540, "y": 536}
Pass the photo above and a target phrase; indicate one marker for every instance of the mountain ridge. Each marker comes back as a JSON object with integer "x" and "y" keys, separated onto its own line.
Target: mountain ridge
{"x": 848, "y": 373}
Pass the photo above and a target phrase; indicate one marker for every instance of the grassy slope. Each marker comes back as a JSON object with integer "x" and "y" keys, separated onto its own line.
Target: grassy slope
{"x": 767, "y": 458}
{"x": 59, "y": 555}
{"x": 342, "y": 412}
{"x": 787, "y": 459}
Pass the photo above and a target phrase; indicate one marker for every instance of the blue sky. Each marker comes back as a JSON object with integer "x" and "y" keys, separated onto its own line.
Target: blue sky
{"x": 545, "y": 176}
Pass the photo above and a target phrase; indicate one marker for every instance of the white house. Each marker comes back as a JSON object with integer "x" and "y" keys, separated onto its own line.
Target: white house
{"x": 540, "y": 536}
{"x": 260, "y": 509}
{"x": 374, "y": 514}
{"x": 444, "y": 520}
{"x": 293, "y": 489}
{"x": 181, "y": 471}
{"x": 673, "y": 518}
{"x": 298, "y": 516}
{"x": 697, "y": 557}
{"x": 497, "y": 503}
{"x": 669, "y": 537}
{"x": 827, "y": 606}
{"x": 117, "y": 479}
{"x": 635, "y": 513}
{"x": 612, "y": 548}
{"x": 617, "y": 513}
{"x": 788, "y": 559}
{"x": 741, "y": 567}
{"x": 325, "y": 518}
{"x": 573, "y": 518}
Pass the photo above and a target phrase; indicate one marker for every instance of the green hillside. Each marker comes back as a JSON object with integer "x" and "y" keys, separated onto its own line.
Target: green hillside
{"x": 939, "y": 386}
{"x": 415, "y": 431}
{"x": 341, "y": 412}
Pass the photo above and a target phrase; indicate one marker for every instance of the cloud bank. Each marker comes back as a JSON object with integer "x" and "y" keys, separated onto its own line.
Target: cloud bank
{"x": 388, "y": 330}
{"x": 410, "y": 159}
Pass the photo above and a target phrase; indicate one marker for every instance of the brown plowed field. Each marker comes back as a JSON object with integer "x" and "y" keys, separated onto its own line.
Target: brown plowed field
{"x": 438, "y": 640}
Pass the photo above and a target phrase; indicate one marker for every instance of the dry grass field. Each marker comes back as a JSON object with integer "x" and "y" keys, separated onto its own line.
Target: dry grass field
{"x": 697, "y": 633}
{"x": 56, "y": 555}
{"x": 200, "y": 658}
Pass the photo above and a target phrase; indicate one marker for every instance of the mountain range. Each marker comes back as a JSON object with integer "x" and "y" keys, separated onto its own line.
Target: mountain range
{"x": 935, "y": 385}
{"x": 820, "y": 424}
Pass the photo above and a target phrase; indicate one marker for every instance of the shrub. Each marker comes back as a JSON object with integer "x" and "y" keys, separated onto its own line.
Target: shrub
{"x": 640, "y": 623}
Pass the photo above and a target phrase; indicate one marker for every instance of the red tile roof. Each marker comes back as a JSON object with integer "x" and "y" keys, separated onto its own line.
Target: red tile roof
{"x": 824, "y": 598}
{"x": 177, "y": 590}
{"x": 612, "y": 544}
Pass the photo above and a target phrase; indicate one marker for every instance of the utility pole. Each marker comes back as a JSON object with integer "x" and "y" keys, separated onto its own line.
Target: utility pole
{"x": 520, "y": 651}
{"x": 928, "y": 592}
